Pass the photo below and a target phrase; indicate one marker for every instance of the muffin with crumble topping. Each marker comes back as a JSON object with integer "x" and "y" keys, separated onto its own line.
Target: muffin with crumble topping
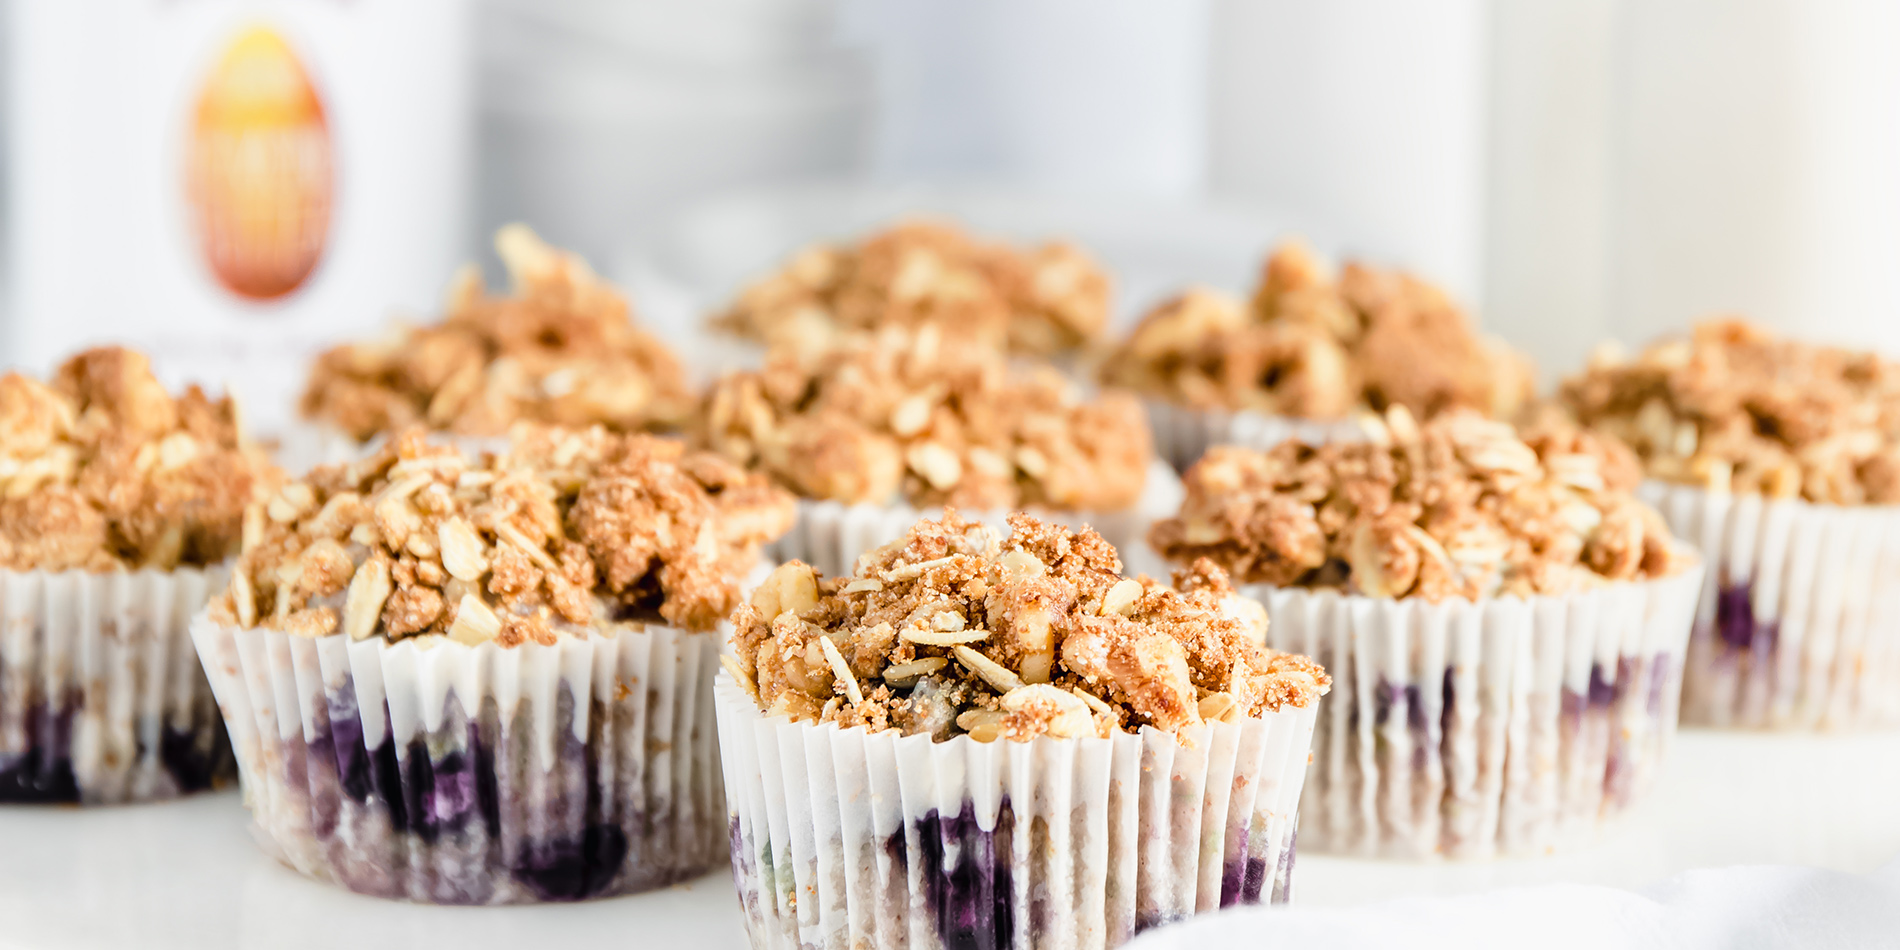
{"x": 875, "y": 430}
{"x": 1042, "y": 301}
{"x": 1311, "y": 356}
{"x": 1781, "y": 459}
{"x": 1506, "y": 621}
{"x": 121, "y": 506}
{"x": 488, "y": 680}
{"x": 561, "y": 349}
{"x": 976, "y": 740}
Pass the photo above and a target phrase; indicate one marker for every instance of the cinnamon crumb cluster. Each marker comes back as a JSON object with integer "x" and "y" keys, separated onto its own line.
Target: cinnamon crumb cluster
{"x": 922, "y": 416}
{"x": 102, "y": 469}
{"x": 569, "y": 532}
{"x": 561, "y": 349}
{"x": 1460, "y": 507}
{"x": 1317, "y": 348}
{"x": 1044, "y": 300}
{"x": 1733, "y": 408}
{"x": 954, "y": 630}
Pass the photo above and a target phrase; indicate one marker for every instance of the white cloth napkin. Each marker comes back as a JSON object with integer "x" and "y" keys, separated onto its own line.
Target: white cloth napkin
{"x": 1738, "y": 908}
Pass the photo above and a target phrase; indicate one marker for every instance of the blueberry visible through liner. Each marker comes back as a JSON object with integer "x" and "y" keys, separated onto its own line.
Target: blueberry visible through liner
{"x": 198, "y": 759}
{"x": 969, "y": 897}
{"x": 44, "y": 773}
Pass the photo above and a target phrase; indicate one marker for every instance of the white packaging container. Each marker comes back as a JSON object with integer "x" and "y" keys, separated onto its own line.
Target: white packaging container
{"x": 231, "y": 185}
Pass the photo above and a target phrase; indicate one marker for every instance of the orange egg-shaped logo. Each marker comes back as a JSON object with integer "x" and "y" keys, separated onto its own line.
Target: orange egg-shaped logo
{"x": 260, "y": 168}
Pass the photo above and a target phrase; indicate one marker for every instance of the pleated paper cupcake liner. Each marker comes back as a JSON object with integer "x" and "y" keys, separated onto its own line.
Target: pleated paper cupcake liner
{"x": 851, "y": 840}
{"x": 1507, "y": 726}
{"x": 454, "y": 774}
{"x": 1183, "y": 435}
{"x": 102, "y": 700}
{"x": 1799, "y": 623}
{"x": 830, "y": 535}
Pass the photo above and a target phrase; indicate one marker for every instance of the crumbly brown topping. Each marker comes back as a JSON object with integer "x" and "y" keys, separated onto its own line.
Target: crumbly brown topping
{"x": 933, "y": 419}
{"x": 1733, "y": 408}
{"x": 1316, "y": 348}
{"x": 103, "y": 470}
{"x": 1458, "y": 508}
{"x": 567, "y": 532}
{"x": 953, "y": 630}
{"x": 562, "y": 349}
{"x": 1045, "y": 300}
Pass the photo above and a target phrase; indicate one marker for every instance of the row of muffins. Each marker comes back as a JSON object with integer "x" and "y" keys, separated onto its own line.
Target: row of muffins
{"x": 574, "y": 539}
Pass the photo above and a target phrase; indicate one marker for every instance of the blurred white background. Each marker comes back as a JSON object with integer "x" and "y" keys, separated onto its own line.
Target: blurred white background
{"x": 1572, "y": 169}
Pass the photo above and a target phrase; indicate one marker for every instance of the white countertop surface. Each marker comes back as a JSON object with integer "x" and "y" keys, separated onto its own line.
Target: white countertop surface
{"x": 186, "y": 874}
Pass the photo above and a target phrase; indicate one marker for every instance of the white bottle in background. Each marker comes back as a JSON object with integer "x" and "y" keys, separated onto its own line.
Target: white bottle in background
{"x": 1757, "y": 167}
{"x": 231, "y": 185}
{"x": 1361, "y": 122}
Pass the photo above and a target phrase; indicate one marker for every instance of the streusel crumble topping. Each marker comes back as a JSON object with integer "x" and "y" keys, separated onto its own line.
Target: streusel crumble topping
{"x": 1734, "y": 408}
{"x": 102, "y": 469}
{"x": 1460, "y": 507}
{"x": 561, "y": 349}
{"x": 954, "y": 630}
{"x": 1318, "y": 348}
{"x": 1043, "y": 300}
{"x": 570, "y": 531}
{"x": 921, "y": 416}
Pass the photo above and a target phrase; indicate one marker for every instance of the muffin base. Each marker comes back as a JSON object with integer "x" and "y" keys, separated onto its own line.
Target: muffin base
{"x": 848, "y": 839}
{"x": 102, "y": 700}
{"x": 1799, "y": 622}
{"x": 1501, "y": 727}
{"x": 477, "y": 775}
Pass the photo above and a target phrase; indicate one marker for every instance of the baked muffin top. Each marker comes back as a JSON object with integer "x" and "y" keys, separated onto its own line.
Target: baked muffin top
{"x": 1460, "y": 507}
{"x": 562, "y": 348}
{"x": 1039, "y": 300}
{"x": 922, "y": 416}
{"x": 1320, "y": 348}
{"x": 955, "y": 630}
{"x": 102, "y": 469}
{"x": 569, "y": 532}
{"x": 1735, "y": 408}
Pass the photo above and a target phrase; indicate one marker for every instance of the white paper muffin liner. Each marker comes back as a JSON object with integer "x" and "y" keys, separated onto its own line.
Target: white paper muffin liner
{"x": 102, "y": 700}
{"x": 830, "y": 535}
{"x": 1799, "y": 624}
{"x": 1507, "y": 726}
{"x": 1183, "y": 435}
{"x": 477, "y": 775}
{"x": 851, "y": 840}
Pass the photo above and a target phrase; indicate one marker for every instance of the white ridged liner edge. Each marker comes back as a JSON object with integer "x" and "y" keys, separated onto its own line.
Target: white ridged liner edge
{"x": 1504, "y": 774}
{"x": 1827, "y": 577}
{"x": 116, "y": 641}
{"x": 1109, "y": 833}
{"x": 1183, "y": 435}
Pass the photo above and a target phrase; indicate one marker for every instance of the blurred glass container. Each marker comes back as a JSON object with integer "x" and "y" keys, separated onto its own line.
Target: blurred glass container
{"x": 600, "y": 119}
{"x": 231, "y": 185}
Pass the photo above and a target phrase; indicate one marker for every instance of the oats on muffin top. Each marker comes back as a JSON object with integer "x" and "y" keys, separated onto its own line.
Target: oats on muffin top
{"x": 563, "y": 349}
{"x": 1316, "y": 348}
{"x": 102, "y": 469}
{"x": 954, "y": 630}
{"x": 1734, "y": 408}
{"x": 1049, "y": 299}
{"x": 568, "y": 532}
{"x": 1460, "y": 507}
{"x": 918, "y": 415}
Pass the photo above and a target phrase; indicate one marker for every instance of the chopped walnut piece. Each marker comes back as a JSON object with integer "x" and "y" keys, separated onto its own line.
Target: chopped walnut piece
{"x": 928, "y": 418}
{"x": 570, "y": 531}
{"x": 562, "y": 349}
{"x": 1320, "y": 349}
{"x": 1735, "y": 409}
{"x": 954, "y": 630}
{"x": 1459, "y": 507}
{"x": 103, "y": 470}
{"x": 1046, "y": 300}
